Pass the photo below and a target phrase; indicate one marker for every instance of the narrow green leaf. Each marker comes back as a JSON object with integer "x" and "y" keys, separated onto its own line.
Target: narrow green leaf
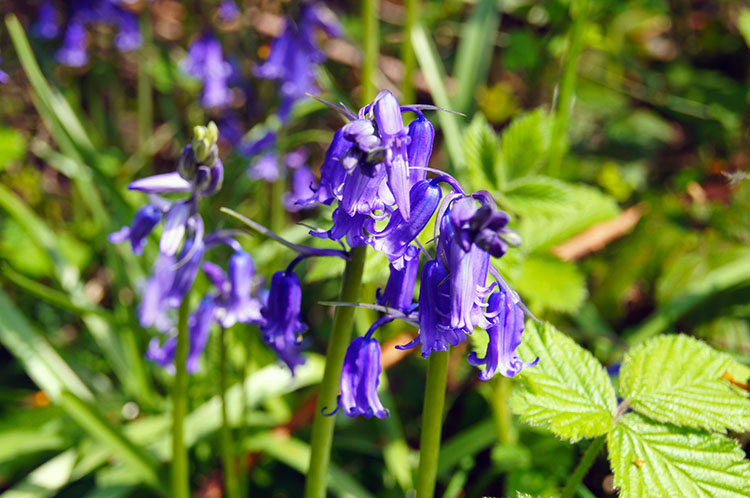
{"x": 652, "y": 460}
{"x": 568, "y": 392}
{"x": 524, "y": 144}
{"x": 296, "y": 455}
{"x": 434, "y": 73}
{"x": 474, "y": 51}
{"x": 94, "y": 423}
{"x": 680, "y": 380}
{"x": 41, "y": 362}
{"x": 481, "y": 149}
{"x": 466, "y": 443}
{"x": 47, "y": 479}
{"x": 722, "y": 278}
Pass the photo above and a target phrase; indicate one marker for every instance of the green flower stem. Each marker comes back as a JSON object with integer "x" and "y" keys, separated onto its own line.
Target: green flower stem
{"x": 566, "y": 89}
{"x": 179, "y": 472}
{"x": 583, "y": 466}
{"x": 322, "y": 431}
{"x": 145, "y": 92}
{"x": 277, "y": 211}
{"x": 230, "y": 471}
{"x": 371, "y": 45}
{"x": 432, "y": 423}
{"x": 500, "y": 389}
{"x": 407, "y": 52}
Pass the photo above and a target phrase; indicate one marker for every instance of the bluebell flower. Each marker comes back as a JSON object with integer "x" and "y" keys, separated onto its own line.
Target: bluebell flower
{"x": 395, "y": 139}
{"x": 154, "y": 307}
{"x": 3, "y": 74}
{"x": 199, "y": 330}
{"x": 302, "y": 191}
{"x": 73, "y": 51}
{"x": 419, "y": 150}
{"x": 234, "y": 302}
{"x": 294, "y": 54}
{"x": 144, "y": 221}
{"x": 265, "y": 167}
{"x": 162, "y": 353}
{"x": 505, "y": 334}
{"x": 360, "y": 378}
{"x": 399, "y": 290}
{"x": 282, "y": 324}
{"x": 228, "y": 11}
{"x": 47, "y": 24}
{"x": 398, "y": 234}
{"x": 345, "y": 226}
{"x": 205, "y": 61}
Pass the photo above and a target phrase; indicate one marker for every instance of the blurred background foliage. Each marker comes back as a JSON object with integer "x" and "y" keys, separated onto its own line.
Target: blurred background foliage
{"x": 634, "y": 208}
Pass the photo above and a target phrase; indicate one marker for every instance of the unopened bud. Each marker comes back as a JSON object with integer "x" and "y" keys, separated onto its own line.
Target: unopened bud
{"x": 201, "y": 149}
{"x": 212, "y": 133}
{"x": 186, "y": 165}
{"x": 199, "y": 132}
{"x": 212, "y": 156}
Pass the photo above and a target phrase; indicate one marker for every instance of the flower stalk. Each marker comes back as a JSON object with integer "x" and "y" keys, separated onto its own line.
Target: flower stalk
{"x": 583, "y": 467}
{"x": 180, "y": 477}
{"x": 231, "y": 483}
{"x": 432, "y": 423}
{"x": 322, "y": 432}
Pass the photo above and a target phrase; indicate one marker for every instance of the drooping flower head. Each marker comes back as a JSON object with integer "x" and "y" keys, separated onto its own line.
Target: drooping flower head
{"x": 360, "y": 379}
{"x": 205, "y": 61}
{"x": 294, "y": 54}
{"x": 281, "y": 313}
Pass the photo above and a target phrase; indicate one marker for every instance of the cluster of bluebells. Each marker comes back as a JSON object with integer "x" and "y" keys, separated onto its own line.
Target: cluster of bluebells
{"x": 376, "y": 172}
{"x": 82, "y": 14}
{"x": 182, "y": 249}
{"x": 294, "y": 55}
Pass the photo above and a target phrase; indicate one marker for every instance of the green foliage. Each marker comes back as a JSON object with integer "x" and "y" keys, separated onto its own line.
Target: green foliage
{"x": 481, "y": 149}
{"x": 680, "y": 380}
{"x": 551, "y": 283}
{"x": 568, "y": 392}
{"x": 535, "y": 194}
{"x": 650, "y": 459}
{"x": 523, "y": 144}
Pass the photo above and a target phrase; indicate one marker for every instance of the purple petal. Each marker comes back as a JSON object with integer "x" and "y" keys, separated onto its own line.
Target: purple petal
{"x": 166, "y": 183}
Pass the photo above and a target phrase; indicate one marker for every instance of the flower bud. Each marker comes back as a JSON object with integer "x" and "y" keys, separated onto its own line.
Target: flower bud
{"x": 186, "y": 164}
{"x": 212, "y": 133}
{"x": 201, "y": 149}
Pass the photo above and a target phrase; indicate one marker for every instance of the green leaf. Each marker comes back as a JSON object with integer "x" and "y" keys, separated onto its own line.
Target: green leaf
{"x": 12, "y": 145}
{"x": 551, "y": 283}
{"x": 586, "y": 207}
{"x": 679, "y": 380}
{"x": 434, "y": 73}
{"x": 296, "y": 455}
{"x": 524, "y": 143}
{"x": 475, "y": 51}
{"x": 568, "y": 392}
{"x": 533, "y": 193}
{"x": 95, "y": 424}
{"x": 743, "y": 25}
{"x": 481, "y": 150}
{"x": 41, "y": 362}
{"x": 46, "y": 479}
{"x": 650, "y": 459}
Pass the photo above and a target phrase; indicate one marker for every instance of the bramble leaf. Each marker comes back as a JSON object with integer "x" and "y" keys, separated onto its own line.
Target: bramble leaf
{"x": 481, "y": 150}
{"x": 524, "y": 143}
{"x": 535, "y": 193}
{"x": 650, "y": 459}
{"x": 568, "y": 392}
{"x": 680, "y": 380}
{"x": 551, "y": 283}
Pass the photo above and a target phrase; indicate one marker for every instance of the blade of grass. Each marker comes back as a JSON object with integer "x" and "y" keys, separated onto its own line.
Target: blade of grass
{"x": 466, "y": 443}
{"x": 47, "y": 479}
{"x": 40, "y": 360}
{"x": 475, "y": 52}
{"x": 296, "y": 454}
{"x": 94, "y": 423}
{"x": 434, "y": 73}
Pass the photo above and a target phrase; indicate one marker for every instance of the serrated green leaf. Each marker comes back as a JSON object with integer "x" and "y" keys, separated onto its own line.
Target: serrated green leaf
{"x": 586, "y": 207}
{"x": 679, "y": 380}
{"x": 535, "y": 193}
{"x": 551, "y": 283}
{"x": 568, "y": 392}
{"x": 481, "y": 151}
{"x": 653, "y": 460}
{"x": 523, "y": 145}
